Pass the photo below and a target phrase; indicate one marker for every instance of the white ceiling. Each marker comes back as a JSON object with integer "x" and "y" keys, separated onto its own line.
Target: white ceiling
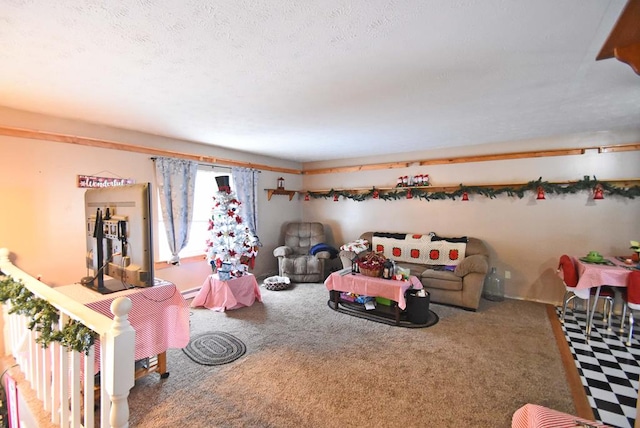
{"x": 320, "y": 80}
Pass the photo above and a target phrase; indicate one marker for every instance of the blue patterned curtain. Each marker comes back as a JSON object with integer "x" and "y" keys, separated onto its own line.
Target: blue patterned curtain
{"x": 176, "y": 180}
{"x": 246, "y": 183}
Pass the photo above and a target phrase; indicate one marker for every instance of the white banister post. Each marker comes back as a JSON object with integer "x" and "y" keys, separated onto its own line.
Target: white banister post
{"x": 4, "y": 255}
{"x": 120, "y": 368}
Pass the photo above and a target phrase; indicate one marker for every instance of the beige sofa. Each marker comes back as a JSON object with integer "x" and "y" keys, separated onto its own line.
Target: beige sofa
{"x": 461, "y": 287}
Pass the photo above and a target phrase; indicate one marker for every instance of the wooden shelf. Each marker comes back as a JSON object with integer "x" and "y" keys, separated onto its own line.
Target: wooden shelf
{"x": 622, "y": 183}
{"x": 271, "y": 192}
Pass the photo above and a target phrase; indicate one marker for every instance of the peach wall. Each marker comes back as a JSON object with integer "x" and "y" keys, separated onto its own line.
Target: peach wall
{"x": 42, "y": 209}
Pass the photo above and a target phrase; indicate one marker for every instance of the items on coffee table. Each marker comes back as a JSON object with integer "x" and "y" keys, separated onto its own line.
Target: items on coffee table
{"x": 372, "y": 264}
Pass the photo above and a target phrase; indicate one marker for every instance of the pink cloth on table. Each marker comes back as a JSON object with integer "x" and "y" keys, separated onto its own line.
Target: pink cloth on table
{"x": 595, "y": 275}
{"x": 235, "y": 293}
{"x": 159, "y": 315}
{"x": 370, "y": 286}
{"x": 534, "y": 416}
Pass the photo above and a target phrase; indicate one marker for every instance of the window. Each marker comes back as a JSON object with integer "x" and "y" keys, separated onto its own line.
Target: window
{"x": 205, "y": 188}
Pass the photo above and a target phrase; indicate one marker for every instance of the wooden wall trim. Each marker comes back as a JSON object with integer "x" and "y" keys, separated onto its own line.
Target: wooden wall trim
{"x": 107, "y": 144}
{"x": 504, "y": 156}
{"x": 478, "y": 158}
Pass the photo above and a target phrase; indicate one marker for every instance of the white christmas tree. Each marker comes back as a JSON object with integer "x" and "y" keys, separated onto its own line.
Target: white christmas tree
{"x": 230, "y": 240}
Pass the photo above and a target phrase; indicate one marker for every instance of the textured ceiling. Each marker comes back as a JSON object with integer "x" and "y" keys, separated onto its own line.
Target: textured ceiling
{"x": 320, "y": 80}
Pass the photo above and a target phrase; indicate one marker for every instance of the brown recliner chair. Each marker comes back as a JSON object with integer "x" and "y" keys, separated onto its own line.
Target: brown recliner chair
{"x": 295, "y": 260}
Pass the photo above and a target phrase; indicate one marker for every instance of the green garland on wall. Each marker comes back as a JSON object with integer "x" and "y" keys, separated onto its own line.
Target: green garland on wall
{"x": 44, "y": 318}
{"x": 491, "y": 192}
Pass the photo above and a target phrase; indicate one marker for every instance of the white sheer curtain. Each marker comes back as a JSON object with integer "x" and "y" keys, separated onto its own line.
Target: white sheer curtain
{"x": 246, "y": 183}
{"x": 176, "y": 181}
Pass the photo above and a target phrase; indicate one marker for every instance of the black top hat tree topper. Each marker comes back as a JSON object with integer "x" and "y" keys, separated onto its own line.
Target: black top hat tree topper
{"x": 223, "y": 183}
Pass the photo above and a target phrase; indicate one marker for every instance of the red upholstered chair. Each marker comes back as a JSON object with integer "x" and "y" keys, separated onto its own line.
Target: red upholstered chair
{"x": 631, "y": 297}
{"x": 569, "y": 274}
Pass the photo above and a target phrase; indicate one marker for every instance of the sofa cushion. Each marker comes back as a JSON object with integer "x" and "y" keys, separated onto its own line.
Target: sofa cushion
{"x": 441, "y": 279}
{"x": 414, "y": 269}
{"x": 301, "y": 265}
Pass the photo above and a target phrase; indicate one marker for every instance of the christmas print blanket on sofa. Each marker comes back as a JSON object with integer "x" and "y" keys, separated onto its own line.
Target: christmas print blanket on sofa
{"x": 451, "y": 269}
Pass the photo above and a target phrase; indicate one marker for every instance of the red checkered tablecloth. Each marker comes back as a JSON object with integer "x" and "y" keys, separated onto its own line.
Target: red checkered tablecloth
{"x": 159, "y": 315}
{"x": 534, "y": 416}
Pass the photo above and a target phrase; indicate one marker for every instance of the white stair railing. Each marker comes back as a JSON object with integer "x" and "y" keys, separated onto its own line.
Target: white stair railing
{"x": 63, "y": 380}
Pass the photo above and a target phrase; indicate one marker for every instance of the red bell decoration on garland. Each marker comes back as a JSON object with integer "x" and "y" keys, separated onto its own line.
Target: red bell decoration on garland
{"x": 376, "y": 195}
{"x": 598, "y": 193}
{"x": 307, "y": 197}
{"x": 335, "y": 197}
{"x": 465, "y": 196}
{"x": 409, "y": 195}
{"x": 540, "y": 193}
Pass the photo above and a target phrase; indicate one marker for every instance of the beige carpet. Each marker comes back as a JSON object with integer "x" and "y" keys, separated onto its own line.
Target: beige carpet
{"x": 308, "y": 366}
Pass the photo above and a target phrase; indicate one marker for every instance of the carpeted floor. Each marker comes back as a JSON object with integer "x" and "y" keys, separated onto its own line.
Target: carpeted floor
{"x": 307, "y": 365}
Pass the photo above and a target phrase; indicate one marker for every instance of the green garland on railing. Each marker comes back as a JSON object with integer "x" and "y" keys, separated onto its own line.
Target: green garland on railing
{"x": 491, "y": 192}
{"x": 44, "y": 318}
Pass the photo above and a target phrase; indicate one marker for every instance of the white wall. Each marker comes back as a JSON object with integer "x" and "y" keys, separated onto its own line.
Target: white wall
{"x": 524, "y": 236}
{"x": 42, "y": 213}
{"x": 42, "y": 209}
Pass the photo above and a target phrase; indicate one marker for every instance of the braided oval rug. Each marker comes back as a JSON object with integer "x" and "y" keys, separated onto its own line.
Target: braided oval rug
{"x": 214, "y": 348}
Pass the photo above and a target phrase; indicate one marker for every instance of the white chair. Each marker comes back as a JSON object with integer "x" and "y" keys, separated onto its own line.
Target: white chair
{"x": 569, "y": 274}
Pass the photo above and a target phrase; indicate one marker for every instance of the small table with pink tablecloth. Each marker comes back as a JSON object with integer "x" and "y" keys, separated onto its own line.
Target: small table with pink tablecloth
{"x": 370, "y": 286}
{"x": 234, "y": 293}
{"x": 159, "y": 315}
{"x": 610, "y": 271}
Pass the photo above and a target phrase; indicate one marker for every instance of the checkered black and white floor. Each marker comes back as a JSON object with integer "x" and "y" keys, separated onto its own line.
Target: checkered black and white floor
{"x": 609, "y": 370}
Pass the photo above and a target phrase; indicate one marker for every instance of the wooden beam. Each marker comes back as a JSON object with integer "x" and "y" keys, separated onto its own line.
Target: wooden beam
{"x": 623, "y": 42}
{"x": 107, "y": 144}
{"x": 619, "y": 148}
{"x": 357, "y": 168}
{"x": 625, "y": 32}
{"x": 629, "y": 55}
{"x": 503, "y": 156}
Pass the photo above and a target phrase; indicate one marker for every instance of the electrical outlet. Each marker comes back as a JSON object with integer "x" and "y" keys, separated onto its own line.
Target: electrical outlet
{"x": 507, "y": 274}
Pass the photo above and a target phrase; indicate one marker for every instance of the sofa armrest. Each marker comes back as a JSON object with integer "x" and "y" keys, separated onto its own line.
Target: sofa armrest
{"x": 347, "y": 257}
{"x": 283, "y": 251}
{"x": 323, "y": 255}
{"x": 476, "y": 263}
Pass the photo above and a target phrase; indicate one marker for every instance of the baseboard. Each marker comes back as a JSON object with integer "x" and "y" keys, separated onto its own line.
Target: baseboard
{"x": 190, "y": 293}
